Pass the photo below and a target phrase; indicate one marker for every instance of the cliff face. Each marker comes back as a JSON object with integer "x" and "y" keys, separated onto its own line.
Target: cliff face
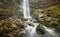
{"x": 7, "y": 7}
{"x": 42, "y": 3}
{"x": 37, "y": 6}
{"x": 51, "y": 9}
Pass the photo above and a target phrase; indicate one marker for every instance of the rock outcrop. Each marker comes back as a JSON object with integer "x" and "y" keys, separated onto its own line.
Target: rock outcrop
{"x": 8, "y": 8}
{"x": 42, "y": 3}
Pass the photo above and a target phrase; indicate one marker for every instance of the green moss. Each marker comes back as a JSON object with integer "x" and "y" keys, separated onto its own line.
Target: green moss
{"x": 53, "y": 20}
{"x": 20, "y": 25}
{"x": 55, "y": 9}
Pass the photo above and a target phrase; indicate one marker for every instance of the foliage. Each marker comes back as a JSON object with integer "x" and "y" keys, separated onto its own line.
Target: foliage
{"x": 8, "y": 7}
{"x": 9, "y": 28}
{"x": 52, "y": 17}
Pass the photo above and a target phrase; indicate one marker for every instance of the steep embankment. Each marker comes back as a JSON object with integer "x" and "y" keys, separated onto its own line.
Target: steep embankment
{"x": 51, "y": 9}
{"x": 7, "y": 8}
{"x": 52, "y": 16}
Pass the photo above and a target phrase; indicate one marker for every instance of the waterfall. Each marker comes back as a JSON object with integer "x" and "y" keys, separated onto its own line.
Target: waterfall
{"x": 31, "y": 30}
{"x": 26, "y": 10}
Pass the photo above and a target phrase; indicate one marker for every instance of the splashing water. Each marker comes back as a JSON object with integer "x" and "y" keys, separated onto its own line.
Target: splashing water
{"x": 50, "y": 32}
{"x": 31, "y": 30}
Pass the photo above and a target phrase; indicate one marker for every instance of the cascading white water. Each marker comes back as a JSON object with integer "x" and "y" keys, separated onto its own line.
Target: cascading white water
{"x": 50, "y": 32}
{"x": 26, "y": 10}
{"x": 31, "y": 30}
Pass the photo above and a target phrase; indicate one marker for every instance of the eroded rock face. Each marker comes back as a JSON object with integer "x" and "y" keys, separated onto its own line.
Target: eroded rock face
{"x": 42, "y": 3}
{"x": 7, "y": 8}
{"x": 38, "y": 6}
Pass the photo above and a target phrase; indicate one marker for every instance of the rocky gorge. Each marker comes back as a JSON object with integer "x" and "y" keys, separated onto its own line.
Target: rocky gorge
{"x": 12, "y": 21}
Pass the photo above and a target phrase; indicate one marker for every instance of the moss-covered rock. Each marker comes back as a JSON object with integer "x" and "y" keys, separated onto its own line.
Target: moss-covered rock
{"x": 51, "y": 18}
{"x": 40, "y": 29}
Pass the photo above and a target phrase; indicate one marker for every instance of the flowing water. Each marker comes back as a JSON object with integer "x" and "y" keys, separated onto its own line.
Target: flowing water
{"x": 26, "y": 10}
{"x": 30, "y": 30}
{"x": 50, "y": 32}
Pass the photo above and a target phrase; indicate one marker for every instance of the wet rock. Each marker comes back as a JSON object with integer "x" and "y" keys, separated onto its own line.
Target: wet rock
{"x": 40, "y": 29}
{"x": 30, "y": 24}
{"x": 22, "y": 35}
{"x": 49, "y": 12}
{"x": 20, "y": 25}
